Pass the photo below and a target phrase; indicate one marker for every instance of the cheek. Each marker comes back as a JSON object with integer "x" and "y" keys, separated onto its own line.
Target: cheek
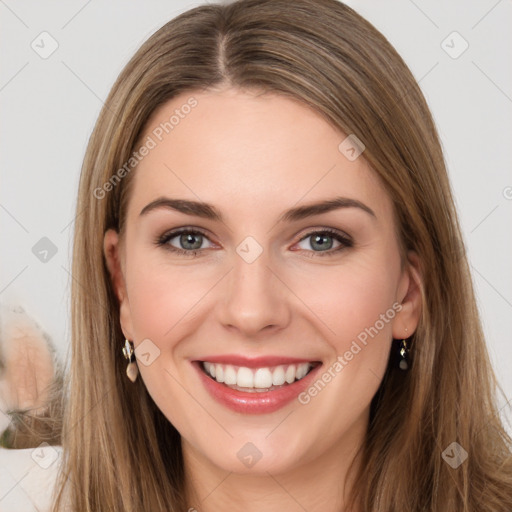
{"x": 163, "y": 301}
{"x": 350, "y": 298}
{"x": 356, "y": 306}
{"x": 161, "y": 295}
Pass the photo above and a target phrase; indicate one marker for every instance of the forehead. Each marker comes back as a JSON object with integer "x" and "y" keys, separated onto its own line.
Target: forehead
{"x": 234, "y": 148}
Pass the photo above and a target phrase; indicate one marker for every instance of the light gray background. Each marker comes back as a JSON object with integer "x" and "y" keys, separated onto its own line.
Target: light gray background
{"x": 49, "y": 107}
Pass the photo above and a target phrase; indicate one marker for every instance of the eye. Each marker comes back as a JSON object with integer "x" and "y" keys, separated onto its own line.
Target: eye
{"x": 322, "y": 241}
{"x": 187, "y": 242}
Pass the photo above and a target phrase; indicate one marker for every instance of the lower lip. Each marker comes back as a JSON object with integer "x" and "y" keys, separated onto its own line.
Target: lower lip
{"x": 263, "y": 402}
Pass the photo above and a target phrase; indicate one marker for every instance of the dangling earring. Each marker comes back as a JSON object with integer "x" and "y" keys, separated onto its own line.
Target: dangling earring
{"x": 131, "y": 370}
{"x": 403, "y": 351}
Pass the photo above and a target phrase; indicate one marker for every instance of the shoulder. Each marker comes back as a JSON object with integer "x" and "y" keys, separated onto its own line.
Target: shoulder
{"x": 27, "y": 478}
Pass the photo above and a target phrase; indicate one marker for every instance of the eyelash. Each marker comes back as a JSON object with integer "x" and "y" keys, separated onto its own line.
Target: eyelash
{"x": 345, "y": 241}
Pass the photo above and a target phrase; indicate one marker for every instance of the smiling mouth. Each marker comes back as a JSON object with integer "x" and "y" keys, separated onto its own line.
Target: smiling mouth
{"x": 254, "y": 380}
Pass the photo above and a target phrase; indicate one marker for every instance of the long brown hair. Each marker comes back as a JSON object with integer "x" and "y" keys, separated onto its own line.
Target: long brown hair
{"x": 120, "y": 452}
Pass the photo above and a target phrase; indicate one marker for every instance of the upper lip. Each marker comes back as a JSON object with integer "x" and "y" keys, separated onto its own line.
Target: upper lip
{"x": 255, "y": 362}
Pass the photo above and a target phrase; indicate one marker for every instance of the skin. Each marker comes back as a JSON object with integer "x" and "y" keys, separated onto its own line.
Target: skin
{"x": 253, "y": 156}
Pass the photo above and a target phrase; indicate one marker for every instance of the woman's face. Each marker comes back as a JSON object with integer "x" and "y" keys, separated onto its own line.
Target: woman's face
{"x": 225, "y": 261}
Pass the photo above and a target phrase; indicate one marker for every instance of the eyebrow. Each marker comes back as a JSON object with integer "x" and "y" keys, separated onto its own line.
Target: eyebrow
{"x": 208, "y": 211}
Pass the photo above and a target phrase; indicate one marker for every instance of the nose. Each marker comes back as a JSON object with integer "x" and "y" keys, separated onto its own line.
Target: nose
{"x": 255, "y": 300}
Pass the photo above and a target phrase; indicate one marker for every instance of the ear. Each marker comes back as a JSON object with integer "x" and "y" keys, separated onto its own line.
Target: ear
{"x": 409, "y": 296}
{"x": 112, "y": 250}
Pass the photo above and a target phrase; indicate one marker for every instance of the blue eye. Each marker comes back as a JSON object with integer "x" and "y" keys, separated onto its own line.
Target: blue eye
{"x": 190, "y": 242}
{"x": 323, "y": 241}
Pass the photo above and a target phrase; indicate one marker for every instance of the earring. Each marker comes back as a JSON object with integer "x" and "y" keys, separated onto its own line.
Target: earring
{"x": 131, "y": 370}
{"x": 403, "y": 351}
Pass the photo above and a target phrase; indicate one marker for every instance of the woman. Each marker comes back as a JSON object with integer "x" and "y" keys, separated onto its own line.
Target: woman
{"x": 318, "y": 346}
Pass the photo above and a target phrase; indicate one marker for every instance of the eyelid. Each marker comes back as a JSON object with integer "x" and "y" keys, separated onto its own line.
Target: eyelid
{"x": 320, "y": 229}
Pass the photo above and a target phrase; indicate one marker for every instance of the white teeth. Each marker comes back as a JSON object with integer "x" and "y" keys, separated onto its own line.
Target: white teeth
{"x": 245, "y": 377}
{"x": 262, "y": 378}
{"x": 278, "y": 376}
{"x": 219, "y": 373}
{"x": 258, "y": 379}
{"x": 230, "y": 376}
{"x": 290, "y": 374}
{"x": 301, "y": 371}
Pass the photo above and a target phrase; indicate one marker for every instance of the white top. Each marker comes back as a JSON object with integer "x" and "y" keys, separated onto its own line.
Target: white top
{"x": 27, "y": 478}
